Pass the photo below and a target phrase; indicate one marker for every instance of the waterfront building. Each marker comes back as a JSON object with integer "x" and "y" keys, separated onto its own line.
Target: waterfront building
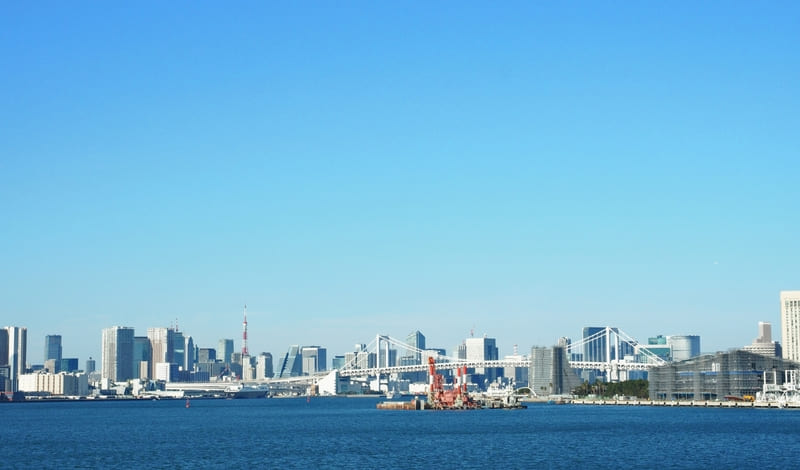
{"x": 714, "y": 376}
{"x": 684, "y": 346}
{"x": 550, "y": 373}
{"x": 338, "y": 362}
{"x": 117, "y": 360}
{"x": 314, "y": 359}
{"x": 62, "y": 383}
{"x": 225, "y": 350}
{"x": 482, "y": 349}
{"x": 52, "y": 348}
{"x": 16, "y": 341}
{"x": 264, "y": 366}
{"x": 13, "y": 356}
{"x": 790, "y": 324}
{"x": 763, "y": 344}
{"x": 91, "y": 365}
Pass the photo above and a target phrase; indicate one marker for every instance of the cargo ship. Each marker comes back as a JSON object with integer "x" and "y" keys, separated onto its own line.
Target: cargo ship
{"x": 246, "y": 391}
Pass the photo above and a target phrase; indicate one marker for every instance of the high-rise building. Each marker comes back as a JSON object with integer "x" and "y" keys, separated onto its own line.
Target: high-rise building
{"x": 142, "y": 355}
{"x": 168, "y": 346}
{"x": 52, "y": 348}
{"x": 416, "y": 340}
{"x": 790, "y": 324}
{"x": 117, "y": 361}
{"x": 314, "y": 359}
{"x": 190, "y": 355}
{"x": 292, "y": 365}
{"x": 763, "y": 344}
{"x": 206, "y": 355}
{"x": 225, "y": 350}
{"x": 264, "y": 366}
{"x": 550, "y": 373}
{"x": 91, "y": 365}
{"x": 483, "y": 349}
{"x": 177, "y": 346}
{"x": 684, "y": 346}
{"x": 13, "y": 354}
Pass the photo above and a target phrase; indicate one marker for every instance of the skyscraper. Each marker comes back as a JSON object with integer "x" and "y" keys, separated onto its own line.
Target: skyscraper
{"x": 14, "y": 348}
{"x": 142, "y": 357}
{"x": 117, "y": 361}
{"x": 790, "y": 324}
{"x": 224, "y": 350}
{"x": 190, "y": 356}
{"x": 483, "y": 349}
{"x": 162, "y": 347}
{"x": 52, "y": 347}
{"x": 416, "y": 340}
{"x": 177, "y": 346}
{"x": 264, "y": 366}
{"x": 314, "y": 358}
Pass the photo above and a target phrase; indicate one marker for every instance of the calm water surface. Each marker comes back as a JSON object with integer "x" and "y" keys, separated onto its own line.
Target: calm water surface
{"x": 351, "y": 433}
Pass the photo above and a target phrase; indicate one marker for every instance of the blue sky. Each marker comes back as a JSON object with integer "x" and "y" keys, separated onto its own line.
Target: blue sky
{"x": 350, "y": 168}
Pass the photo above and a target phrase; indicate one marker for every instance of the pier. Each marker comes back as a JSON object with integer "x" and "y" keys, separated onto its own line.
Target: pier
{"x": 683, "y": 403}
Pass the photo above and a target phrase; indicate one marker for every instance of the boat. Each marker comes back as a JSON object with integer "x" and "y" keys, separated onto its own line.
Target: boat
{"x": 390, "y": 394}
{"x": 246, "y": 391}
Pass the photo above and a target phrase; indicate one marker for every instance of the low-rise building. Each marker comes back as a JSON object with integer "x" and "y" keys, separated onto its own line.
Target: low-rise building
{"x": 63, "y": 383}
{"x": 714, "y": 376}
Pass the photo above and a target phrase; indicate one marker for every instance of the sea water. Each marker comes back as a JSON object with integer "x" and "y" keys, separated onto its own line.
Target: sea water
{"x": 352, "y": 433}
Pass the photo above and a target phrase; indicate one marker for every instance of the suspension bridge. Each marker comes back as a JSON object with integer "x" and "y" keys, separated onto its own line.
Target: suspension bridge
{"x": 609, "y": 349}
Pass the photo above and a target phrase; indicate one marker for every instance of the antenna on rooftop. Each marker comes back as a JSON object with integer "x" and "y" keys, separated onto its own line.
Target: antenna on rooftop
{"x": 244, "y": 333}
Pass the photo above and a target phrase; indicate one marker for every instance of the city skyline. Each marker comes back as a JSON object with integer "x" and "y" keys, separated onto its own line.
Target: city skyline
{"x": 157, "y": 339}
{"x": 520, "y": 171}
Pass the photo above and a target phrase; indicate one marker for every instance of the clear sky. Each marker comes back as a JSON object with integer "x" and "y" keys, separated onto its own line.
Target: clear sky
{"x": 518, "y": 169}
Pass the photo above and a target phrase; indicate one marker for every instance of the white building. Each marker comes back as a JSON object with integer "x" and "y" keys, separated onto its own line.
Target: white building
{"x": 790, "y": 324}
{"x": 13, "y": 349}
{"x": 63, "y": 383}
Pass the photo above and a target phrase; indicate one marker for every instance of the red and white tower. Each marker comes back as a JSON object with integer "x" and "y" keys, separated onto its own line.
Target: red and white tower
{"x": 244, "y": 333}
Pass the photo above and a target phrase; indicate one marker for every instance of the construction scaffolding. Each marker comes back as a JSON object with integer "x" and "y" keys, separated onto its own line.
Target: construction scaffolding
{"x": 724, "y": 375}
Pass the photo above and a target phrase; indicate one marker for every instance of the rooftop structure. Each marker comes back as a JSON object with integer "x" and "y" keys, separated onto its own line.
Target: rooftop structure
{"x": 790, "y": 324}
